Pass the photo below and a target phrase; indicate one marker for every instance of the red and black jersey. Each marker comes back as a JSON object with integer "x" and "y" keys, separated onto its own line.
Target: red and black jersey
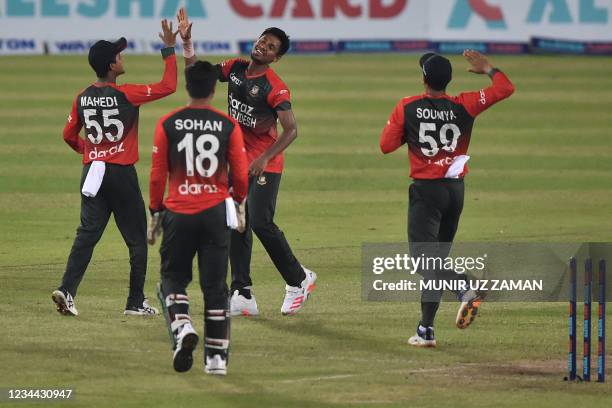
{"x": 253, "y": 101}
{"x": 438, "y": 129}
{"x": 193, "y": 148}
{"x": 109, "y": 113}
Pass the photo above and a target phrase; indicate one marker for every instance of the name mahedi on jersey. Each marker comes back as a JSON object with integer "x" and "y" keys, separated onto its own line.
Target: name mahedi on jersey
{"x": 101, "y": 101}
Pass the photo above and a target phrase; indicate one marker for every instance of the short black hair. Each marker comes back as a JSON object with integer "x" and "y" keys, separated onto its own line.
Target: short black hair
{"x": 437, "y": 71}
{"x": 201, "y": 78}
{"x": 282, "y": 36}
{"x": 102, "y": 73}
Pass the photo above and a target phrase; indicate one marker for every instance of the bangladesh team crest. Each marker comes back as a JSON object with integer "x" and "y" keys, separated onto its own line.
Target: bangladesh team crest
{"x": 254, "y": 91}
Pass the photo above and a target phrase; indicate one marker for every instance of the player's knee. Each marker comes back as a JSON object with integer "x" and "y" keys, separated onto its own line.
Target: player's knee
{"x": 263, "y": 228}
{"x": 137, "y": 243}
{"x": 88, "y": 235}
{"x": 138, "y": 251}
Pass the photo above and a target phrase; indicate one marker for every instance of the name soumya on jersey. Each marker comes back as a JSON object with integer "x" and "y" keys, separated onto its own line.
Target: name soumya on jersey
{"x": 109, "y": 113}
{"x": 193, "y": 148}
{"x": 254, "y": 101}
{"x": 438, "y": 129}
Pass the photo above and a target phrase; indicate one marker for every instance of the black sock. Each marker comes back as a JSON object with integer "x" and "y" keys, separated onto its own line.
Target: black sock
{"x": 428, "y": 313}
{"x": 245, "y": 292}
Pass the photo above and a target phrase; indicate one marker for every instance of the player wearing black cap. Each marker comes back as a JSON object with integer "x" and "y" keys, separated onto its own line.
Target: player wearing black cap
{"x": 437, "y": 129}
{"x": 109, "y": 183}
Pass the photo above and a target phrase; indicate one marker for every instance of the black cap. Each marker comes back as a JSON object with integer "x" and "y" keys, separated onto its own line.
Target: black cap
{"x": 103, "y": 53}
{"x": 437, "y": 70}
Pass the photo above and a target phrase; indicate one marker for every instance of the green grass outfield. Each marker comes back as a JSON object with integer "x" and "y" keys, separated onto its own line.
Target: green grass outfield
{"x": 541, "y": 170}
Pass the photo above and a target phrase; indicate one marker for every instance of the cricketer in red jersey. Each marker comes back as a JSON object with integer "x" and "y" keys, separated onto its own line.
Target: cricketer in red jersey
{"x": 437, "y": 128}
{"x": 258, "y": 99}
{"x": 193, "y": 148}
{"x": 109, "y": 184}
{"x": 201, "y": 183}
{"x": 256, "y": 107}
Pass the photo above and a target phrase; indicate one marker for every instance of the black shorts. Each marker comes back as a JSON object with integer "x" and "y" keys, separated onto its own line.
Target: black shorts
{"x": 206, "y": 235}
{"x": 433, "y": 217}
{"x": 434, "y": 210}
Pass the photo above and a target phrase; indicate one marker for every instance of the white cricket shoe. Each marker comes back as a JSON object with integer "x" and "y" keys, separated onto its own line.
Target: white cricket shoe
{"x": 215, "y": 365}
{"x": 186, "y": 342}
{"x": 424, "y": 337}
{"x": 242, "y": 306}
{"x": 296, "y": 296}
{"x": 143, "y": 310}
{"x": 64, "y": 303}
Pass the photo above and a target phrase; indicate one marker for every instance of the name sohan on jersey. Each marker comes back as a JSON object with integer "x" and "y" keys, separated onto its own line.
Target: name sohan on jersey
{"x": 195, "y": 124}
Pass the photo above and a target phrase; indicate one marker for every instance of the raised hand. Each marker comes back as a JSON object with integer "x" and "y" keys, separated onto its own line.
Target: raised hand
{"x": 479, "y": 64}
{"x": 167, "y": 36}
{"x": 184, "y": 26}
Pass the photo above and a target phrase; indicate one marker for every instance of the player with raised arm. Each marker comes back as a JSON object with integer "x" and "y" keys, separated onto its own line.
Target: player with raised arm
{"x": 109, "y": 184}
{"x": 258, "y": 99}
{"x": 437, "y": 128}
{"x": 193, "y": 147}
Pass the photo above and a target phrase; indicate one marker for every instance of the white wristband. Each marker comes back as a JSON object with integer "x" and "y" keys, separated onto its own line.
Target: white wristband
{"x": 188, "y": 51}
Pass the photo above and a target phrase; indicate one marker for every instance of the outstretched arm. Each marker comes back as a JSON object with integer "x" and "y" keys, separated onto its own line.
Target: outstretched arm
{"x": 477, "y": 102}
{"x": 185, "y": 30}
{"x": 139, "y": 94}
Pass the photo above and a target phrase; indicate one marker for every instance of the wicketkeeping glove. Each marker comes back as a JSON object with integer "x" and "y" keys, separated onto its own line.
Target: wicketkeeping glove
{"x": 155, "y": 227}
{"x": 241, "y": 215}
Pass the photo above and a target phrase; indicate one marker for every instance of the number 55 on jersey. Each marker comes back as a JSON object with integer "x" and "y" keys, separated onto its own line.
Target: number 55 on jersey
{"x": 109, "y": 113}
